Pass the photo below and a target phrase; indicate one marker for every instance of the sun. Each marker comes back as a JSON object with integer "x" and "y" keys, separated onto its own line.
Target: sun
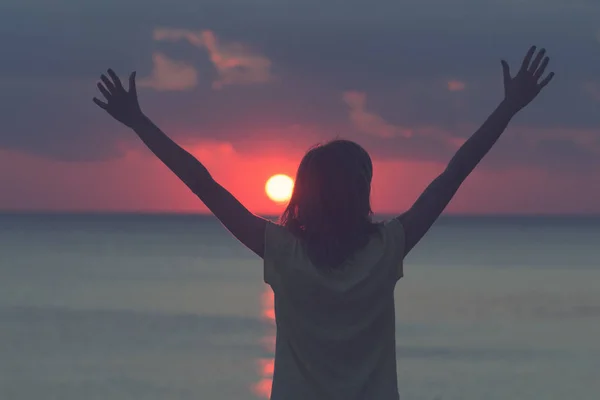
{"x": 279, "y": 188}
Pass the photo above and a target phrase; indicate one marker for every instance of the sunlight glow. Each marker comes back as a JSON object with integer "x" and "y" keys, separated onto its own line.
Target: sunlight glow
{"x": 279, "y": 188}
{"x": 266, "y": 365}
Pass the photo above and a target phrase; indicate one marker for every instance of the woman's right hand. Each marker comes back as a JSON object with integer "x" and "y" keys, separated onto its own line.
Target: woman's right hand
{"x": 521, "y": 89}
{"x": 121, "y": 104}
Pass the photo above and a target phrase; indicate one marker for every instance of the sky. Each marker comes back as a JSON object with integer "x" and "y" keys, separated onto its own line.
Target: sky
{"x": 247, "y": 86}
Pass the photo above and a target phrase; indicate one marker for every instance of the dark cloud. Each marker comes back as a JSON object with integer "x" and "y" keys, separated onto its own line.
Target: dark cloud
{"x": 401, "y": 55}
{"x": 57, "y": 120}
{"x": 556, "y": 155}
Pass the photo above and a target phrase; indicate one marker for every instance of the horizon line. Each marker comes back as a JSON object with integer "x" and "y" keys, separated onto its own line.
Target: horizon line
{"x": 270, "y": 215}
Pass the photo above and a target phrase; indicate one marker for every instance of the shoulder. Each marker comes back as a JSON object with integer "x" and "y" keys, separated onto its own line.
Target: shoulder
{"x": 278, "y": 238}
{"x": 394, "y": 244}
{"x": 394, "y": 229}
{"x": 281, "y": 246}
{"x": 390, "y": 231}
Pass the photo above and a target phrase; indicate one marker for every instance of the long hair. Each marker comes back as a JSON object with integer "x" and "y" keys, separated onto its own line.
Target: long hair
{"x": 330, "y": 208}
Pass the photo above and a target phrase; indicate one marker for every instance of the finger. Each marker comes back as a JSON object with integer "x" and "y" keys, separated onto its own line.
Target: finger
{"x": 506, "y": 71}
{"x": 104, "y": 92}
{"x": 540, "y": 71}
{"x": 132, "y": 85}
{"x": 115, "y": 79}
{"x": 527, "y": 59}
{"x": 536, "y": 62}
{"x": 108, "y": 83}
{"x": 100, "y": 103}
{"x": 546, "y": 81}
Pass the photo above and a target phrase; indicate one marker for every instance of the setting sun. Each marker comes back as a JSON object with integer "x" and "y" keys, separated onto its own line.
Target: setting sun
{"x": 279, "y": 188}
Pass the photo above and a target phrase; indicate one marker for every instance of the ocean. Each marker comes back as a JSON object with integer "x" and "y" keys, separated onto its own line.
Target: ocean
{"x": 125, "y": 306}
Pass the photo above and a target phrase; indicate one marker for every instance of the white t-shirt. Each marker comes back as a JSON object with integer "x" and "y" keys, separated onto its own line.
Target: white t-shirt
{"x": 336, "y": 329}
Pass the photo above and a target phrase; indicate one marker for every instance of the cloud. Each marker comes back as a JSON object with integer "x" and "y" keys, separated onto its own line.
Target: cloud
{"x": 556, "y": 149}
{"x": 170, "y": 75}
{"x": 407, "y": 88}
{"x": 369, "y": 122}
{"x": 138, "y": 180}
{"x": 587, "y": 139}
{"x": 456, "y": 86}
{"x": 431, "y": 142}
{"x": 236, "y": 64}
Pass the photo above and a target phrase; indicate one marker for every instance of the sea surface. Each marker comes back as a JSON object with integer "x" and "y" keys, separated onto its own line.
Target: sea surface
{"x": 125, "y": 306}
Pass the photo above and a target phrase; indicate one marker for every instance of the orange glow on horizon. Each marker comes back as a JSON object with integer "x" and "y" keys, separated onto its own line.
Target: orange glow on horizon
{"x": 266, "y": 366}
{"x": 34, "y": 183}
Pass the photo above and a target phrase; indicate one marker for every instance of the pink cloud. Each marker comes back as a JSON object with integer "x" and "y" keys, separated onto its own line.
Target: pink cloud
{"x": 369, "y": 122}
{"x": 139, "y": 182}
{"x": 375, "y": 125}
{"x": 456, "y": 86}
{"x": 170, "y": 75}
{"x": 236, "y": 64}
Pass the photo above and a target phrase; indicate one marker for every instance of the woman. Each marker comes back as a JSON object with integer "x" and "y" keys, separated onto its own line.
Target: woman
{"x": 332, "y": 270}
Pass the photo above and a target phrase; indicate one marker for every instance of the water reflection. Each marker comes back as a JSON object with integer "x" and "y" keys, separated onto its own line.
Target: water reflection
{"x": 265, "y": 365}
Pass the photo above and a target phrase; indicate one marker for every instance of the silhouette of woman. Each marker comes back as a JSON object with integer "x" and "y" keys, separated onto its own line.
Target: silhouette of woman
{"x": 332, "y": 270}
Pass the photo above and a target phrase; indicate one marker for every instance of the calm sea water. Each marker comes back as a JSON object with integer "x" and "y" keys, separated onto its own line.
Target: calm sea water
{"x": 172, "y": 307}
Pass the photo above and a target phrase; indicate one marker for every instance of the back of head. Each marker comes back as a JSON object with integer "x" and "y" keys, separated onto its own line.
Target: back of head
{"x": 330, "y": 208}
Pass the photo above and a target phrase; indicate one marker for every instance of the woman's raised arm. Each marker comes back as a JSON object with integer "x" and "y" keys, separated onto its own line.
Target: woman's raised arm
{"x": 123, "y": 105}
{"x": 519, "y": 91}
